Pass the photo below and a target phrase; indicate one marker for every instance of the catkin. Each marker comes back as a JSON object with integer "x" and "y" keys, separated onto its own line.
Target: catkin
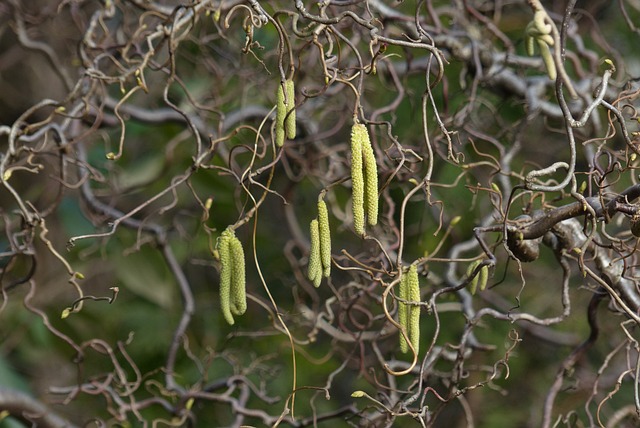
{"x": 325, "y": 238}
{"x": 403, "y": 293}
{"x": 484, "y": 277}
{"x": 530, "y": 45}
{"x": 547, "y": 58}
{"x": 281, "y": 112}
{"x": 290, "y": 121}
{"x": 238, "y": 277}
{"x": 315, "y": 264}
{"x": 371, "y": 180}
{"x": 473, "y": 284}
{"x": 413, "y": 285}
{"x": 226, "y": 268}
{"x": 358, "y": 135}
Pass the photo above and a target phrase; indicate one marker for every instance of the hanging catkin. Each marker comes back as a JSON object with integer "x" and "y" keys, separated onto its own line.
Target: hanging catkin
{"x": 281, "y": 112}
{"x": 315, "y": 264}
{"x": 408, "y": 314}
{"x": 358, "y": 135}
{"x": 325, "y": 238}
{"x": 370, "y": 181}
{"x": 226, "y": 268}
{"x": 238, "y": 278}
{"x": 413, "y": 285}
{"x": 290, "y": 102}
{"x": 233, "y": 282}
{"x": 403, "y": 293}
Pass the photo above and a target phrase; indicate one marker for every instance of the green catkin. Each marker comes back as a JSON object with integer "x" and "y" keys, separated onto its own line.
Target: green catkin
{"x": 290, "y": 120}
{"x": 281, "y": 112}
{"x": 325, "y": 238}
{"x": 238, "y": 277}
{"x": 473, "y": 284}
{"x": 226, "y": 268}
{"x": 403, "y": 293}
{"x": 315, "y": 264}
{"x": 413, "y": 285}
{"x": 547, "y": 58}
{"x": 484, "y": 277}
{"x": 530, "y": 45}
{"x": 370, "y": 180}
{"x": 358, "y": 135}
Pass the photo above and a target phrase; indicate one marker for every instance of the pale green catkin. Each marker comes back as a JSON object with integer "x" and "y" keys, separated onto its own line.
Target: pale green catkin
{"x": 403, "y": 293}
{"x": 473, "y": 284}
{"x": 413, "y": 284}
{"x": 315, "y": 264}
{"x": 530, "y": 45}
{"x": 547, "y": 58}
{"x": 290, "y": 121}
{"x": 358, "y": 133}
{"x": 226, "y": 268}
{"x": 371, "y": 180}
{"x": 238, "y": 277}
{"x": 484, "y": 277}
{"x": 325, "y": 238}
{"x": 281, "y": 112}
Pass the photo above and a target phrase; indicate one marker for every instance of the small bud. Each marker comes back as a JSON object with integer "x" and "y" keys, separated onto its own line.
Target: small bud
{"x": 189, "y": 404}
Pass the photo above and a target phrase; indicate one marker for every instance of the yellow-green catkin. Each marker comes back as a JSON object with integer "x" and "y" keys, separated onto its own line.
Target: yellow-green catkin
{"x": 370, "y": 180}
{"x": 547, "y": 58}
{"x": 484, "y": 277}
{"x": 473, "y": 284}
{"x": 281, "y": 112}
{"x": 413, "y": 284}
{"x": 290, "y": 121}
{"x": 358, "y": 135}
{"x": 403, "y": 293}
{"x": 325, "y": 238}
{"x": 238, "y": 277}
{"x": 226, "y": 269}
{"x": 315, "y": 264}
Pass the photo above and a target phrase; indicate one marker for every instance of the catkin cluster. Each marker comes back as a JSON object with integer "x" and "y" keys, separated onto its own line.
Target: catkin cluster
{"x": 409, "y": 315}
{"x": 285, "y": 112}
{"x": 480, "y": 280}
{"x": 233, "y": 295}
{"x": 364, "y": 179}
{"x": 539, "y": 32}
{"x": 320, "y": 253}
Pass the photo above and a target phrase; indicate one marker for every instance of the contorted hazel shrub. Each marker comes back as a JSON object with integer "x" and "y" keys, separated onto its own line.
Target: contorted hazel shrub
{"x": 233, "y": 294}
{"x": 285, "y": 112}
{"x": 364, "y": 178}
{"x": 409, "y": 315}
